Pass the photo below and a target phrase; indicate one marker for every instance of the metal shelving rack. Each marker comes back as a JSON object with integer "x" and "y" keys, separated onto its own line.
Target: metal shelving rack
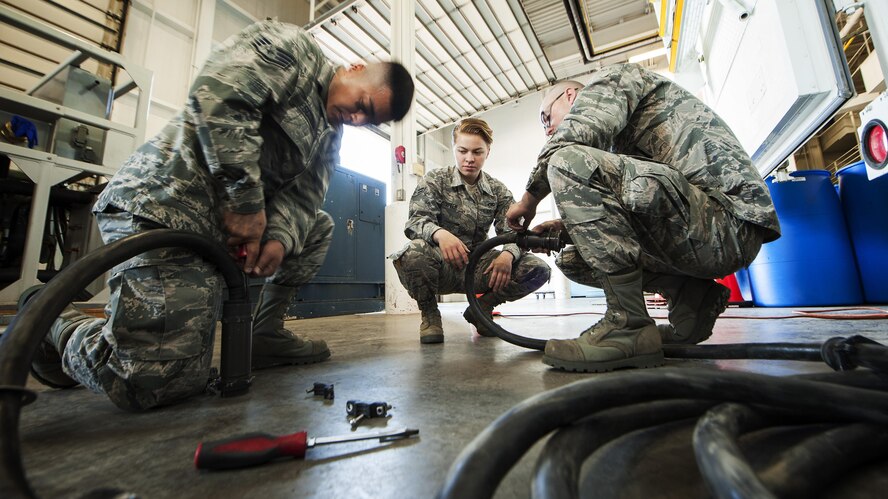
{"x": 47, "y": 169}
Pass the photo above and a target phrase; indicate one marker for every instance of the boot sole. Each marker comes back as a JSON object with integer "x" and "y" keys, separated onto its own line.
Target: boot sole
{"x": 639, "y": 361}
{"x": 265, "y": 362}
{"x": 431, "y": 338}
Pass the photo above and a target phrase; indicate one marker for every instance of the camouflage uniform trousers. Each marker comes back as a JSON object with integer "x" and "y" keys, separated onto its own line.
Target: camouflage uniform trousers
{"x": 622, "y": 211}
{"x": 156, "y": 344}
{"x": 423, "y": 271}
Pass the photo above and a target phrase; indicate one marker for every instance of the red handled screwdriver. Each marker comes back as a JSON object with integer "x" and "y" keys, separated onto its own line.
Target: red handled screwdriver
{"x": 259, "y": 448}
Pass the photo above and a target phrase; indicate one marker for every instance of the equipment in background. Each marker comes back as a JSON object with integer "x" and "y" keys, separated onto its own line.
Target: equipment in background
{"x": 812, "y": 263}
{"x": 259, "y": 448}
{"x": 75, "y": 147}
{"x": 865, "y": 205}
{"x": 352, "y": 278}
{"x": 70, "y": 231}
{"x": 83, "y": 91}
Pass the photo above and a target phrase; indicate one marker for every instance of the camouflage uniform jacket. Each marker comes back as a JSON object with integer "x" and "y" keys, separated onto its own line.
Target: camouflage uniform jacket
{"x": 628, "y": 110}
{"x": 441, "y": 201}
{"x": 253, "y": 135}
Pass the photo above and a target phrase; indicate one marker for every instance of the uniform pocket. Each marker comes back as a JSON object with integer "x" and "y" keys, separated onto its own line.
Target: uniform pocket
{"x": 162, "y": 314}
{"x": 580, "y": 211}
{"x": 661, "y": 194}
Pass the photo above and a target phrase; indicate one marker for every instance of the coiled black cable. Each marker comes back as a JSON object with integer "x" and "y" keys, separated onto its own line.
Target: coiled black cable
{"x": 31, "y": 324}
{"x": 557, "y": 469}
{"x": 481, "y": 466}
{"x": 524, "y": 240}
{"x": 631, "y": 407}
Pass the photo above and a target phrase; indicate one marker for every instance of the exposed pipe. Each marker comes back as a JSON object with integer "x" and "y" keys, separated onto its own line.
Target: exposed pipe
{"x": 736, "y": 8}
{"x": 852, "y": 20}
{"x": 578, "y": 26}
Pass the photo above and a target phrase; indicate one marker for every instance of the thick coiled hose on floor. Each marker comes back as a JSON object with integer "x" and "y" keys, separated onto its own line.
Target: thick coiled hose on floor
{"x": 691, "y": 432}
{"x": 674, "y": 432}
{"x": 32, "y": 323}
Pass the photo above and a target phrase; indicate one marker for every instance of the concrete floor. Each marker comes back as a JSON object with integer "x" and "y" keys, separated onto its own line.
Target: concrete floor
{"x": 75, "y": 441}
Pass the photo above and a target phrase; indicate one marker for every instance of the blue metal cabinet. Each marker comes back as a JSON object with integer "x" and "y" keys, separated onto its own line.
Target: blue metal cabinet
{"x": 352, "y": 278}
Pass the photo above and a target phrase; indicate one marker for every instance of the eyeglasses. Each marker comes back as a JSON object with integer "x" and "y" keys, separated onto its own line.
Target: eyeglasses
{"x": 546, "y": 116}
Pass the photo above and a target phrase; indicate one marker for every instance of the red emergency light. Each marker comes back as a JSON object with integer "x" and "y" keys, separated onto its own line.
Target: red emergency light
{"x": 874, "y": 144}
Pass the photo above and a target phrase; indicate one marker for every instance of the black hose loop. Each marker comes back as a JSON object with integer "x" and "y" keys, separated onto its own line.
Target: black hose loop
{"x": 846, "y": 354}
{"x": 475, "y": 307}
{"x": 28, "y": 396}
{"x": 483, "y": 463}
{"x": 26, "y": 331}
{"x": 835, "y": 353}
{"x": 718, "y": 454}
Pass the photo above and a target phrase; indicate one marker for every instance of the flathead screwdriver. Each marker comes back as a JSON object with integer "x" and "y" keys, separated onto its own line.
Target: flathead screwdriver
{"x": 258, "y": 448}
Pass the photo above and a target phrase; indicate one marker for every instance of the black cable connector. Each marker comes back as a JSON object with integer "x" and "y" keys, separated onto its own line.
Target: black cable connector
{"x": 323, "y": 390}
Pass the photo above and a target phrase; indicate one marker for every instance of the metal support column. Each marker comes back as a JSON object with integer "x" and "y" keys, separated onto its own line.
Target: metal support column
{"x": 403, "y": 181}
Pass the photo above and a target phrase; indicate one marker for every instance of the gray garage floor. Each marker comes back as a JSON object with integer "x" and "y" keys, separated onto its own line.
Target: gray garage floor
{"x": 75, "y": 441}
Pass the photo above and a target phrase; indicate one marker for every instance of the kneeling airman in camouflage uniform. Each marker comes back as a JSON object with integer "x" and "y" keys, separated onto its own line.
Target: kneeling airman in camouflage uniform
{"x": 247, "y": 162}
{"x": 451, "y": 212}
{"x": 656, "y": 194}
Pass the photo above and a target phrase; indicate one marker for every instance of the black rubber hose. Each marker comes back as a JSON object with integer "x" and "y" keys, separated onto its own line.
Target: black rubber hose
{"x": 719, "y": 457}
{"x": 556, "y": 475}
{"x": 613, "y": 472}
{"x": 26, "y": 331}
{"x": 769, "y": 351}
{"x": 475, "y": 307}
{"x": 807, "y": 469}
{"x": 481, "y": 466}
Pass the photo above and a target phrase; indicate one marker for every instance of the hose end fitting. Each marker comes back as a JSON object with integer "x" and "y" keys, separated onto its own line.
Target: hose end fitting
{"x": 530, "y": 241}
{"x": 840, "y": 353}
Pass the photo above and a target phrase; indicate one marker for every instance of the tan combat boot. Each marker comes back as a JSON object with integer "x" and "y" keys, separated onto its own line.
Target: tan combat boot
{"x": 625, "y": 337}
{"x": 273, "y": 344}
{"x": 431, "y": 330}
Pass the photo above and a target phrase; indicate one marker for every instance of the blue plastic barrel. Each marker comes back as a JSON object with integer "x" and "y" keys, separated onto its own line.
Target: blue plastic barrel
{"x": 812, "y": 264}
{"x": 865, "y": 204}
